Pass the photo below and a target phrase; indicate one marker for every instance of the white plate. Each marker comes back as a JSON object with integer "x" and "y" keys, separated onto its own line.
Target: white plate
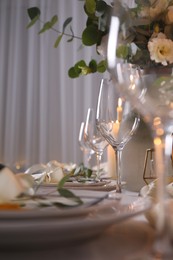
{"x": 34, "y": 211}
{"x": 78, "y": 184}
{"x": 46, "y": 231}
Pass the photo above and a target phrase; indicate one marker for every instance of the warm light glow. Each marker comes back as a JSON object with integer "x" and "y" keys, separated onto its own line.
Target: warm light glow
{"x": 119, "y": 102}
{"x": 159, "y": 131}
{"x": 131, "y": 78}
{"x": 132, "y": 84}
{"x": 119, "y": 110}
{"x": 157, "y": 141}
{"x": 116, "y": 127}
{"x": 157, "y": 121}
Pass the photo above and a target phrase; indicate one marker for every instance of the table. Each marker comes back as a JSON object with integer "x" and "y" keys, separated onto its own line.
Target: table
{"x": 128, "y": 240}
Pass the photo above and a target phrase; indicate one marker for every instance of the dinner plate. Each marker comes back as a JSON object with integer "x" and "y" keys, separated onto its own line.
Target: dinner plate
{"x": 42, "y": 206}
{"x": 28, "y": 232}
{"x": 78, "y": 184}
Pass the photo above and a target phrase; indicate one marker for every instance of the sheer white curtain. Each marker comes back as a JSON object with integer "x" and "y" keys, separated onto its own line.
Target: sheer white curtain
{"x": 41, "y": 108}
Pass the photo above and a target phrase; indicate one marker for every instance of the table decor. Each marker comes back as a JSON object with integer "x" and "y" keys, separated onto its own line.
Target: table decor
{"x": 117, "y": 121}
{"x": 86, "y": 150}
{"x": 18, "y": 184}
{"x": 143, "y": 29}
{"x": 97, "y": 25}
{"x": 59, "y": 227}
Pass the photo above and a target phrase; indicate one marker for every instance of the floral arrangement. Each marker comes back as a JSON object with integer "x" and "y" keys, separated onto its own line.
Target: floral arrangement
{"x": 150, "y": 34}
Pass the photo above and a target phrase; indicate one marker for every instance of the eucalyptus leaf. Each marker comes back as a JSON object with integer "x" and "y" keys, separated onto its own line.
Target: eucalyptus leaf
{"x": 33, "y": 12}
{"x": 101, "y": 7}
{"x": 80, "y": 63}
{"x": 33, "y": 21}
{"x": 90, "y": 35}
{"x": 77, "y": 170}
{"x": 122, "y": 51}
{"x": 46, "y": 27}
{"x": 90, "y": 6}
{"x": 72, "y": 73}
{"x": 85, "y": 70}
{"x": 72, "y": 35}
{"x": 67, "y": 21}
{"x": 54, "y": 20}
{"x": 102, "y": 66}
{"x": 70, "y": 195}
{"x": 93, "y": 66}
{"x": 58, "y": 41}
{"x": 63, "y": 181}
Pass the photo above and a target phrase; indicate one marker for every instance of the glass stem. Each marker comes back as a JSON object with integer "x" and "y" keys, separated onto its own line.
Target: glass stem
{"x": 118, "y": 153}
{"x": 98, "y": 156}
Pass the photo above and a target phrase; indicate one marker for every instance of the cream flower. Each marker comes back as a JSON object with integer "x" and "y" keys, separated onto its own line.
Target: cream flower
{"x": 169, "y": 16}
{"x": 161, "y": 50}
{"x": 158, "y": 7}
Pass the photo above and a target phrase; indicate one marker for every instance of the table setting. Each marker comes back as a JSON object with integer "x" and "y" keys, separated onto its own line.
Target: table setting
{"x": 37, "y": 216}
{"x": 67, "y": 210}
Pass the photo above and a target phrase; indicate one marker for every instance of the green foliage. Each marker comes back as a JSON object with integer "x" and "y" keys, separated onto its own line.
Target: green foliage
{"x": 78, "y": 172}
{"x": 97, "y": 25}
{"x": 33, "y": 12}
{"x": 90, "y": 35}
{"x": 69, "y": 195}
{"x": 122, "y": 51}
{"x": 81, "y": 170}
{"x": 80, "y": 68}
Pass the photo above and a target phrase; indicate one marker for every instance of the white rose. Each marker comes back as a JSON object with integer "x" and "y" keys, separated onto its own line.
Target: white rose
{"x": 161, "y": 50}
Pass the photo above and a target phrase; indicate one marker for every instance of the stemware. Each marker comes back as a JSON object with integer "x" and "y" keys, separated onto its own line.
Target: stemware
{"x": 149, "y": 87}
{"x": 95, "y": 140}
{"x": 87, "y": 151}
{"x": 116, "y": 120}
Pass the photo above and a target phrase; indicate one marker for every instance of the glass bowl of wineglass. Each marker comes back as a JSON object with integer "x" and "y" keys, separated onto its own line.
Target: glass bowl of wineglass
{"x": 84, "y": 146}
{"x": 116, "y": 120}
{"x": 95, "y": 140}
{"x": 140, "y": 60}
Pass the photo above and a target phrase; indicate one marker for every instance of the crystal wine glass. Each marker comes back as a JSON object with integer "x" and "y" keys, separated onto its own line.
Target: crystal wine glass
{"x": 84, "y": 146}
{"x": 95, "y": 140}
{"x": 140, "y": 61}
{"x": 116, "y": 120}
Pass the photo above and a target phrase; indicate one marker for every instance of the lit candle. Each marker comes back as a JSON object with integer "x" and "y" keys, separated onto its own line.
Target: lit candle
{"x": 119, "y": 110}
{"x": 115, "y": 128}
{"x": 160, "y": 170}
{"x": 111, "y": 164}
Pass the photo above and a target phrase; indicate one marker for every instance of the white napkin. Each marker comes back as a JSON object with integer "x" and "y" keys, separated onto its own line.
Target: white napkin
{"x": 52, "y": 172}
{"x": 12, "y": 185}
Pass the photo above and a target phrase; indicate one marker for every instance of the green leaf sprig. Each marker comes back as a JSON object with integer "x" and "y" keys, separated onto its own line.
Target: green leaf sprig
{"x": 79, "y": 171}
{"x": 34, "y": 15}
{"x": 97, "y": 25}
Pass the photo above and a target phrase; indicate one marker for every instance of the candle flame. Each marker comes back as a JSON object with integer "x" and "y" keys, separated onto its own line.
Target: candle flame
{"x": 120, "y": 102}
{"x": 157, "y": 141}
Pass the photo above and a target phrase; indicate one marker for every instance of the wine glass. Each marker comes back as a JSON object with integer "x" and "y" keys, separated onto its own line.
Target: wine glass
{"x": 144, "y": 76}
{"x": 87, "y": 151}
{"x": 116, "y": 120}
{"x": 95, "y": 140}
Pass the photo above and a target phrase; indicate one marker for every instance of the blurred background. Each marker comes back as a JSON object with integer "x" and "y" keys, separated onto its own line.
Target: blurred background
{"x": 41, "y": 108}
